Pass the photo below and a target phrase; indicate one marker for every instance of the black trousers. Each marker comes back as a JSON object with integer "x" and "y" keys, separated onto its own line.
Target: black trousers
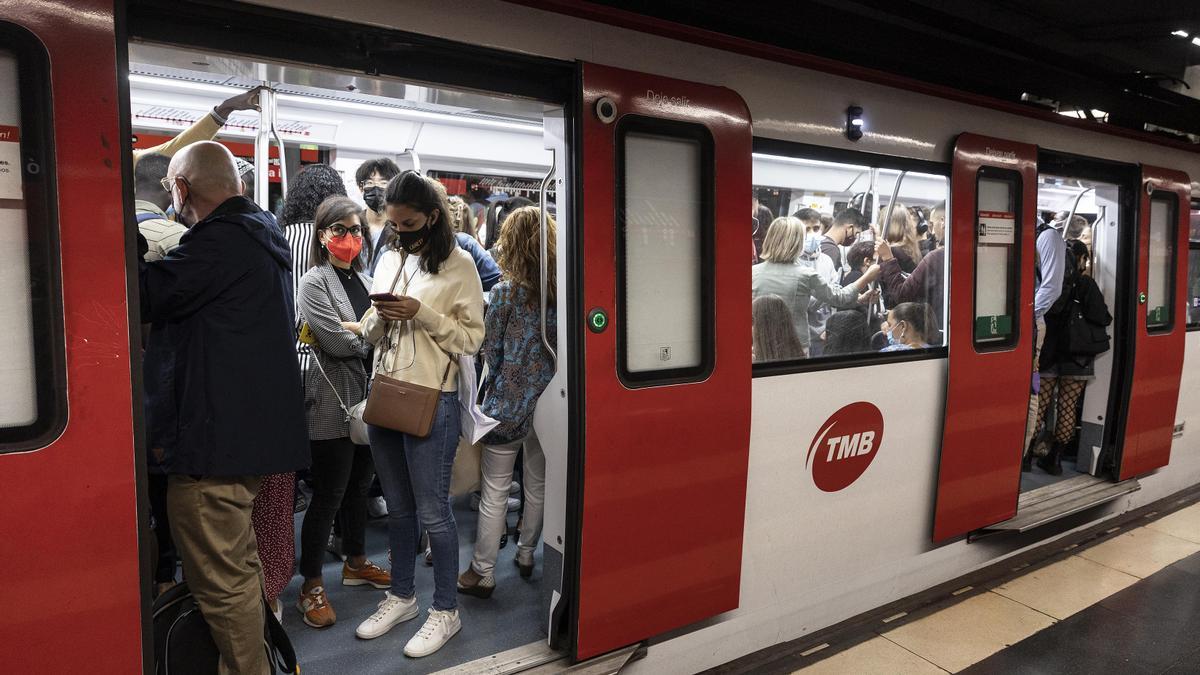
{"x": 164, "y": 567}
{"x": 341, "y": 475}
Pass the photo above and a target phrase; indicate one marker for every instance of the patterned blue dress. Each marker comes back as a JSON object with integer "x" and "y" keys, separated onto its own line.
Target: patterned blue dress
{"x": 519, "y": 366}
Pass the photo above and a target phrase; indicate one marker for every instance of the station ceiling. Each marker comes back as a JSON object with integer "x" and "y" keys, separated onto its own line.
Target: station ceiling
{"x": 1118, "y": 59}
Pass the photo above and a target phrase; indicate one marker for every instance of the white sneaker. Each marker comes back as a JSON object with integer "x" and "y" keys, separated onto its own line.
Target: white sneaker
{"x": 438, "y": 629}
{"x": 376, "y": 507}
{"x": 392, "y": 610}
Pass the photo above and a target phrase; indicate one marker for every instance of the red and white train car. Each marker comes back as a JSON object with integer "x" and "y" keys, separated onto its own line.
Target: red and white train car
{"x": 695, "y": 502}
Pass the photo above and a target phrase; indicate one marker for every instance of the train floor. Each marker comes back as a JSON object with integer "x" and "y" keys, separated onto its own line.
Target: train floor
{"x": 1036, "y": 477}
{"x": 1125, "y": 605}
{"x": 512, "y": 617}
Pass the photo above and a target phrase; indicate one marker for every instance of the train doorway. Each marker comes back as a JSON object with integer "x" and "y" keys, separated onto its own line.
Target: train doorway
{"x": 493, "y": 151}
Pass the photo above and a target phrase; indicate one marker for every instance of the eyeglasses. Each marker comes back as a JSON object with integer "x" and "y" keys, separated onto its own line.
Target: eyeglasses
{"x": 340, "y": 231}
{"x": 169, "y": 182}
{"x": 374, "y": 184}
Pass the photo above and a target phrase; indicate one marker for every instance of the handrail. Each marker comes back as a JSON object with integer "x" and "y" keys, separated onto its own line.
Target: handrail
{"x": 1071, "y": 216}
{"x": 283, "y": 181}
{"x": 262, "y": 147}
{"x": 545, "y": 256}
{"x": 887, "y": 220}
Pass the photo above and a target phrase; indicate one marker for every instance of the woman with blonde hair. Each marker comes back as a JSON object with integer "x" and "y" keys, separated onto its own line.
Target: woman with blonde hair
{"x": 461, "y": 217}
{"x": 781, "y": 274}
{"x": 519, "y": 369}
{"x": 901, "y": 232}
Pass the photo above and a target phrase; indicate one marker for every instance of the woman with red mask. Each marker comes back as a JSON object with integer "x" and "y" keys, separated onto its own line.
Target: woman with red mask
{"x": 332, "y": 296}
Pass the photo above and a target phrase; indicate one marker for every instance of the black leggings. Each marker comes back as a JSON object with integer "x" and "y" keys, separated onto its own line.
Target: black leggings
{"x": 164, "y": 567}
{"x": 341, "y": 477}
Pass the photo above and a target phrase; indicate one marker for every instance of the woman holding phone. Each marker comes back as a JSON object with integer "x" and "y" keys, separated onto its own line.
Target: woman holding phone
{"x": 427, "y": 306}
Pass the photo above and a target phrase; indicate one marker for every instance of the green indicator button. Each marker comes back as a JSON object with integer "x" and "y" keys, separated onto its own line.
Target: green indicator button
{"x": 597, "y": 320}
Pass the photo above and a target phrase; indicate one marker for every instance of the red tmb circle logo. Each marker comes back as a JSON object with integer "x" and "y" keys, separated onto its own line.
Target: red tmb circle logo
{"x": 845, "y": 446}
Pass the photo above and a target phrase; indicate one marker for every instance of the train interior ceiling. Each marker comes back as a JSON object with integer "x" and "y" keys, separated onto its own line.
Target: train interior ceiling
{"x": 471, "y": 142}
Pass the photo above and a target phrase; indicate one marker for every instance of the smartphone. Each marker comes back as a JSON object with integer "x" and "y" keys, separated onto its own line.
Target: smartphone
{"x": 384, "y": 297}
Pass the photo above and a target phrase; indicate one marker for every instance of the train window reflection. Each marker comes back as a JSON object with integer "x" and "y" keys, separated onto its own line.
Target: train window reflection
{"x": 849, "y": 259}
{"x": 1193, "y": 304}
{"x": 31, "y": 381}
{"x": 1161, "y": 263}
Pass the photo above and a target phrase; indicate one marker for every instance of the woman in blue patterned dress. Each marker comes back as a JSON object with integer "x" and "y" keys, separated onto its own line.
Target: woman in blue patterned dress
{"x": 519, "y": 368}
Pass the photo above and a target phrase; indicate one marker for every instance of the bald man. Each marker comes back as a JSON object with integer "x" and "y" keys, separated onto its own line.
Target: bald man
{"x": 222, "y": 387}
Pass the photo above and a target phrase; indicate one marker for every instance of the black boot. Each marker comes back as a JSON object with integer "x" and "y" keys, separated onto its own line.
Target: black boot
{"x": 1052, "y": 463}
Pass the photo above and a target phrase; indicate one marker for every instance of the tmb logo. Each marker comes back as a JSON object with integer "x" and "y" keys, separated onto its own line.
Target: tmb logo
{"x": 845, "y": 446}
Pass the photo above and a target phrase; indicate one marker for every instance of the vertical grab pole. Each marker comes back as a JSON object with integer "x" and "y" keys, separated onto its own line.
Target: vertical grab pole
{"x": 273, "y": 117}
{"x": 262, "y": 147}
{"x": 545, "y": 257}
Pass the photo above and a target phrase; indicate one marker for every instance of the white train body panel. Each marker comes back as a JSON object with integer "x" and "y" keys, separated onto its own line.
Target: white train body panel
{"x": 811, "y": 558}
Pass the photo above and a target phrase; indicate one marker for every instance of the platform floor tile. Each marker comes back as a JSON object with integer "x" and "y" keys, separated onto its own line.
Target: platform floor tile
{"x": 1141, "y": 552}
{"x": 1066, "y": 587}
{"x": 969, "y": 631}
{"x": 1184, "y": 524}
{"x": 877, "y": 655}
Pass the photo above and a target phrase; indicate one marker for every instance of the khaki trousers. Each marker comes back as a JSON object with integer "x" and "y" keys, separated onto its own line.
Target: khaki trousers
{"x": 1039, "y": 337}
{"x": 210, "y": 522}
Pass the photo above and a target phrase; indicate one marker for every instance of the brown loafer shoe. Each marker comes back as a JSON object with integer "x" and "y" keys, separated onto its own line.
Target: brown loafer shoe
{"x": 471, "y": 583}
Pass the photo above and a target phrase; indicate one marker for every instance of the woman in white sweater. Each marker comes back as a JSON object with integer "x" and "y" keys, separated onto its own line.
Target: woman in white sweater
{"x": 437, "y": 313}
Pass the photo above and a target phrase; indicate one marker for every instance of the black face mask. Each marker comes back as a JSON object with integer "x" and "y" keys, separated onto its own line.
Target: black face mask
{"x": 851, "y": 237}
{"x": 373, "y": 196}
{"x": 412, "y": 240}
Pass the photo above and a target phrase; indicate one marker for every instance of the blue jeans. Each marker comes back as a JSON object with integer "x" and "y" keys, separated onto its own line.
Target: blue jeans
{"x": 415, "y": 475}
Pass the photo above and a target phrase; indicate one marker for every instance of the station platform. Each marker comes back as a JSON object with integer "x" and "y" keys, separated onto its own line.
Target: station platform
{"x": 1129, "y": 603}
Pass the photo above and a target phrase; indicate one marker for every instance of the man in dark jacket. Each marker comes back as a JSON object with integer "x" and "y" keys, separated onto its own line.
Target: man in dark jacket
{"x": 223, "y": 388}
{"x": 927, "y": 283}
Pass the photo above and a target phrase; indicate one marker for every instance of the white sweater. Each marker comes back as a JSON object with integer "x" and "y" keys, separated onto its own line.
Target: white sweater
{"x": 450, "y": 319}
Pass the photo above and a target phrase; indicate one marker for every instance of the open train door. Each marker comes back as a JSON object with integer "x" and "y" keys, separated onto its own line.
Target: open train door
{"x": 993, "y": 201}
{"x": 1162, "y": 249}
{"x": 666, "y": 189}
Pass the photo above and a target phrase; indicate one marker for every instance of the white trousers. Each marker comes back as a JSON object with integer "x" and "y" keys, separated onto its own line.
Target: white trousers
{"x": 497, "y": 466}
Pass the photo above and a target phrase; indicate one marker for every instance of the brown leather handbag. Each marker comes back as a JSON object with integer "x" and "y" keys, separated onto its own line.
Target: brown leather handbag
{"x": 398, "y": 405}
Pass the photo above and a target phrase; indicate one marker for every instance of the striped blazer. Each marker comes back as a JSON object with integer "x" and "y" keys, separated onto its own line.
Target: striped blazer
{"x": 322, "y": 303}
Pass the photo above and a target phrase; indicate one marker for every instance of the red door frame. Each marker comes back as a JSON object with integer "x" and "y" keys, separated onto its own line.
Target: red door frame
{"x": 987, "y": 391}
{"x": 664, "y": 467}
{"x": 1158, "y": 356}
{"x": 70, "y": 562}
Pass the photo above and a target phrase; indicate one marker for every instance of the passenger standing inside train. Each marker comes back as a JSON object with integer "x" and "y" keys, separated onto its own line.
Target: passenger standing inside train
{"x": 332, "y": 297}
{"x": 841, "y": 233}
{"x": 900, "y": 232}
{"x": 774, "y": 336}
{"x": 847, "y": 332}
{"x": 372, "y": 177}
{"x": 859, "y": 259}
{"x": 1063, "y": 374}
{"x": 311, "y": 186}
{"x": 1050, "y": 252}
{"x": 909, "y": 325}
{"x": 151, "y": 201}
{"x": 520, "y": 367}
{"x": 462, "y": 218}
{"x": 927, "y": 282}
{"x": 437, "y": 313}
{"x": 781, "y": 274}
{"x": 223, "y": 317}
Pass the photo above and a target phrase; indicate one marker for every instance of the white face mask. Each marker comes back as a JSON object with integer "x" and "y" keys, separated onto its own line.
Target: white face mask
{"x": 812, "y": 243}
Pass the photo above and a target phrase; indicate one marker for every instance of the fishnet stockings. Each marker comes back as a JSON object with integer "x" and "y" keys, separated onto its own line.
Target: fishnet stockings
{"x": 1065, "y": 393}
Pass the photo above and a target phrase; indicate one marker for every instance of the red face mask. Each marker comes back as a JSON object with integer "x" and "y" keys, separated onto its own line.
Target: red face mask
{"x": 345, "y": 247}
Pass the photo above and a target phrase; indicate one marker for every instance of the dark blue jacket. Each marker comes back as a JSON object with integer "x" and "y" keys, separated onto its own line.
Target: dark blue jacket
{"x": 223, "y": 391}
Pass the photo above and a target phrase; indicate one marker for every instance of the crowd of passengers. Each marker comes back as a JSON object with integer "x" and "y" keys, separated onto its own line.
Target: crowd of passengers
{"x": 263, "y": 335}
{"x": 828, "y": 286}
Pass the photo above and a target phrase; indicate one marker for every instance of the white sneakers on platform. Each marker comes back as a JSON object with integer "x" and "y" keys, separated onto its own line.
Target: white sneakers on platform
{"x": 392, "y": 610}
{"x": 437, "y": 631}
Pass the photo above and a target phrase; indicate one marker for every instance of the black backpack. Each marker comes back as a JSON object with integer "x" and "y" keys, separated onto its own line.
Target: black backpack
{"x": 183, "y": 643}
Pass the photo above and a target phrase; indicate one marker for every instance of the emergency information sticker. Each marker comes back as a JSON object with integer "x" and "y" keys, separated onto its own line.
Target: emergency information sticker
{"x": 10, "y": 163}
{"x": 997, "y": 227}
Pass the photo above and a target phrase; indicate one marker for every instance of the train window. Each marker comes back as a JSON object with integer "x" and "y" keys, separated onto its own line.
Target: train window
{"x": 996, "y": 261}
{"x": 1193, "y": 304}
{"x": 1161, "y": 263}
{"x": 664, "y": 244}
{"x": 849, "y": 258}
{"x": 31, "y": 381}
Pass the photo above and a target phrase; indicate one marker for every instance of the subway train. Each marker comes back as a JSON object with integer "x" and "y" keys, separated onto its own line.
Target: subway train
{"x": 700, "y": 506}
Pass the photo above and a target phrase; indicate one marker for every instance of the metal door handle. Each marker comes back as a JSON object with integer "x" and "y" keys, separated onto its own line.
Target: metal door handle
{"x": 545, "y": 262}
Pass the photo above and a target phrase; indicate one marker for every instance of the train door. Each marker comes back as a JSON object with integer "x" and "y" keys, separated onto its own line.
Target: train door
{"x": 666, "y": 363}
{"x": 68, "y": 457}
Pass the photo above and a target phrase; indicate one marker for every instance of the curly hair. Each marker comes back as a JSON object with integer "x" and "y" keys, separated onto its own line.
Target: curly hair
{"x": 520, "y": 250}
{"x": 462, "y": 217}
{"x": 314, "y": 184}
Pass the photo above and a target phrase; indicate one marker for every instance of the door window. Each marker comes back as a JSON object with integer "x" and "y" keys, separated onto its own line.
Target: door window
{"x": 1161, "y": 262}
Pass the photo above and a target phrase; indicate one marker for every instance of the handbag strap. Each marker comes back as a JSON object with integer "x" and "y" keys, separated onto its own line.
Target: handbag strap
{"x": 317, "y": 358}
